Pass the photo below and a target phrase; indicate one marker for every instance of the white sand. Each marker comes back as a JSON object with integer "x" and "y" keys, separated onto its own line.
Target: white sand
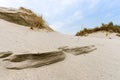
{"x": 105, "y": 35}
{"x": 102, "y": 64}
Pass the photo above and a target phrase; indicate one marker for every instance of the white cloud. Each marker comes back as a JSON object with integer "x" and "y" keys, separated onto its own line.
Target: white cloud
{"x": 77, "y": 15}
{"x": 57, "y": 25}
{"x": 65, "y": 22}
{"x": 55, "y": 7}
{"x": 12, "y": 3}
{"x": 93, "y": 3}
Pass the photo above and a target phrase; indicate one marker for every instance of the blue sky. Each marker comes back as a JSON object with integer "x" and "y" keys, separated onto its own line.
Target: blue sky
{"x": 70, "y": 16}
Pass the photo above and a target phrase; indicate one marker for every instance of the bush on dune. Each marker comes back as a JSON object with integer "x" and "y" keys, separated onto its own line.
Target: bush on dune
{"x": 110, "y": 27}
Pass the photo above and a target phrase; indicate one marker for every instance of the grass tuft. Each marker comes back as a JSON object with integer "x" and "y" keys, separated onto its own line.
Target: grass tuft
{"x": 110, "y": 27}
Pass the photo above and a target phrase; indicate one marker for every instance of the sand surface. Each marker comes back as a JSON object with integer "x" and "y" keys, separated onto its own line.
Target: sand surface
{"x": 101, "y": 64}
{"x": 103, "y": 34}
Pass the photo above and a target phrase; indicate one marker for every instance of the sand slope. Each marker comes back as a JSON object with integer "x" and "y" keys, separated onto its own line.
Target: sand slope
{"x": 101, "y": 64}
{"x": 105, "y": 35}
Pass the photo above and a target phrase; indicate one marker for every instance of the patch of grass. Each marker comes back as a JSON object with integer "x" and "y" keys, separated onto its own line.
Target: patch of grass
{"x": 110, "y": 27}
{"x": 35, "y": 20}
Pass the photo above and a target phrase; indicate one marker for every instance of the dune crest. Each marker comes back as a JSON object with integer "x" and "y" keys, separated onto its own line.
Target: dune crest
{"x": 108, "y": 28}
{"x": 23, "y": 16}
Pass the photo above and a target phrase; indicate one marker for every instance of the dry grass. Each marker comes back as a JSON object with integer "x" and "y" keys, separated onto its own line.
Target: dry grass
{"x": 32, "y": 18}
{"x": 105, "y": 27}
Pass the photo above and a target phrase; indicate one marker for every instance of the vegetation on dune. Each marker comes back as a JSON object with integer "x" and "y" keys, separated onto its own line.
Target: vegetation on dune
{"x": 25, "y": 17}
{"x": 37, "y": 22}
{"x": 110, "y": 27}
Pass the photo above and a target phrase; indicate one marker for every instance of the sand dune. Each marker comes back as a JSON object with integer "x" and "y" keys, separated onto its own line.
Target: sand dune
{"x": 102, "y": 63}
{"x": 101, "y": 34}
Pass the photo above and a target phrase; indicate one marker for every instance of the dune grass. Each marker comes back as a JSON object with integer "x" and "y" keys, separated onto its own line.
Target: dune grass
{"x": 110, "y": 27}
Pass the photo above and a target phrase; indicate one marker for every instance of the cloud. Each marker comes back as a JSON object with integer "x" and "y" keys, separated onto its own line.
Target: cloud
{"x": 55, "y": 7}
{"x": 12, "y": 3}
{"x": 77, "y": 15}
{"x": 93, "y": 3}
{"x": 57, "y": 25}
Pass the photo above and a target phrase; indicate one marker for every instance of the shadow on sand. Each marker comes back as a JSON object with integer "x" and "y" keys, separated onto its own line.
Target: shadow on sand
{"x": 78, "y": 50}
{"x": 35, "y": 60}
{"x": 23, "y": 61}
